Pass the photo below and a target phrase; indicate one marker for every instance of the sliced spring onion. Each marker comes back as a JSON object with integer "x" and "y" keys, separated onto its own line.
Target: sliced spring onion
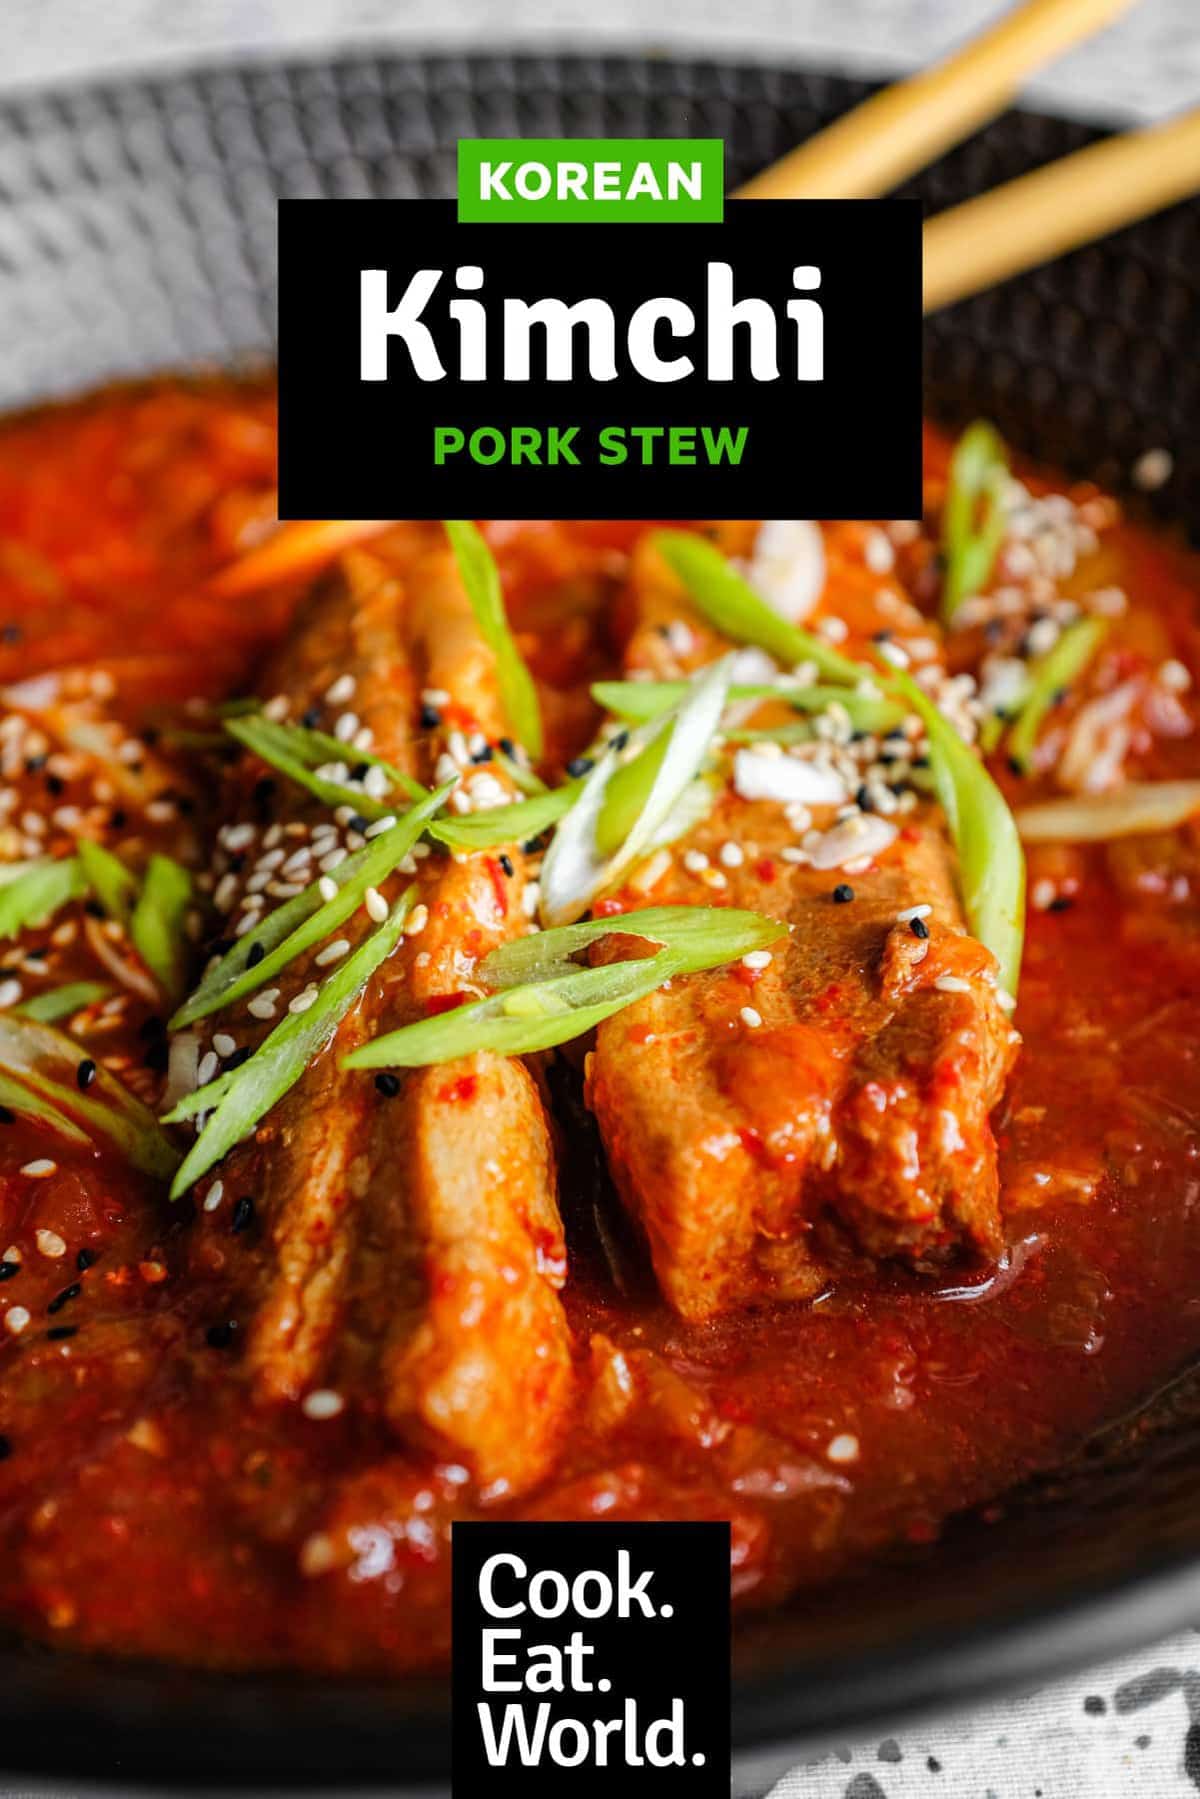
{"x": 639, "y": 700}
{"x": 60, "y": 1002}
{"x": 279, "y": 747}
{"x": 731, "y": 604}
{"x": 1135, "y": 810}
{"x": 973, "y": 516}
{"x": 45, "y": 1063}
{"x": 28, "y": 1104}
{"x": 114, "y": 885}
{"x": 991, "y": 863}
{"x": 1048, "y": 677}
{"x": 506, "y": 824}
{"x": 521, "y": 1020}
{"x": 242, "y": 1097}
{"x": 481, "y": 579}
{"x": 699, "y": 936}
{"x": 306, "y": 919}
{"x": 157, "y": 924}
{"x": 314, "y": 747}
{"x": 576, "y": 868}
{"x": 37, "y": 893}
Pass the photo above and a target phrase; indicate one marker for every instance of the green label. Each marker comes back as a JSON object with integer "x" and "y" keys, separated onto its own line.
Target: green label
{"x": 584, "y": 180}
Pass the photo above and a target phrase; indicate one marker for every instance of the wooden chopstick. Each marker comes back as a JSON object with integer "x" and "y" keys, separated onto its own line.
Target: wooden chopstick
{"x": 907, "y": 125}
{"x": 1059, "y": 207}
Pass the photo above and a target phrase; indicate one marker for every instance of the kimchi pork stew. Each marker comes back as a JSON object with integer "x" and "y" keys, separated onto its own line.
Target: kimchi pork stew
{"x": 532, "y": 1020}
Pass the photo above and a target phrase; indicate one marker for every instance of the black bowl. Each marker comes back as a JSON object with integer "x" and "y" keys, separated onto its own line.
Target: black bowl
{"x": 137, "y": 234}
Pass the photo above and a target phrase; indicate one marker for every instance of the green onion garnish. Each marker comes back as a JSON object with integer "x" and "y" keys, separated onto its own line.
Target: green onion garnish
{"x": 28, "y": 1104}
{"x": 114, "y": 885}
{"x": 522, "y": 1019}
{"x": 60, "y": 1002}
{"x": 481, "y": 579}
{"x": 506, "y": 824}
{"x": 44, "y": 1063}
{"x": 731, "y": 604}
{"x": 991, "y": 862}
{"x": 639, "y": 700}
{"x": 289, "y": 750}
{"x": 1049, "y": 676}
{"x": 243, "y": 1096}
{"x": 37, "y": 893}
{"x": 157, "y": 924}
{"x": 306, "y": 919}
{"x": 973, "y": 516}
{"x": 625, "y": 801}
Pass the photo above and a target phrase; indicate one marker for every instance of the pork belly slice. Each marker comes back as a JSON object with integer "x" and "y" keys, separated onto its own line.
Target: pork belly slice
{"x": 764, "y": 1124}
{"x": 406, "y": 1249}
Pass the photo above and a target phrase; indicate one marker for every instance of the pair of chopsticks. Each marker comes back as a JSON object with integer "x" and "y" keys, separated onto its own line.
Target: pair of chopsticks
{"x": 1024, "y": 222}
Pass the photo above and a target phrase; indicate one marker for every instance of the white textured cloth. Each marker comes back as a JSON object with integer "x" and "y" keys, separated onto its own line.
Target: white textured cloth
{"x": 1133, "y": 1726}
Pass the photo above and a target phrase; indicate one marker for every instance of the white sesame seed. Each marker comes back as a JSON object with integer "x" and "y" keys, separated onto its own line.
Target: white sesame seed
{"x": 695, "y": 861}
{"x": 345, "y": 727}
{"x": 39, "y": 1169}
{"x": 50, "y": 1244}
{"x": 333, "y": 860}
{"x": 207, "y": 1069}
{"x": 757, "y": 958}
{"x": 447, "y": 769}
{"x": 375, "y": 783}
{"x": 238, "y": 837}
{"x": 263, "y": 1004}
{"x": 297, "y": 862}
{"x": 843, "y": 1448}
{"x": 341, "y": 690}
{"x": 276, "y": 708}
{"x": 377, "y": 906}
{"x": 713, "y": 877}
{"x": 304, "y": 1000}
{"x": 1173, "y": 676}
{"x": 1043, "y": 894}
{"x": 10, "y": 993}
{"x": 327, "y": 887}
{"x": 226, "y": 893}
{"x": 16, "y": 1319}
{"x": 380, "y": 826}
{"x": 531, "y": 899}
{"x": 214, "y": 1196}
{"x": 750, "y": 1017}
{"x": 878, "y": 553}
{"x": 952, "y": 983}
{"x": 333, "y": 952}
{"x": 324, "y": 1403}
{"x": 284, "y": 889}
{"x": 224, "y": 1044}
{"x": 435, "y": 696}
{"x": 416, "y": 921}
{"x": 362, "y": 740}
{"x": 911, "y": 912}
{"x": 245, "y": 923}
{"x": 732, "y": 855}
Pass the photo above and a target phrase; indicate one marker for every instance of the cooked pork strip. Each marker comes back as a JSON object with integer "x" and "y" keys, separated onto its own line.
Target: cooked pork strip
{"x": 410, "y": 1246}
{"x": 746, "y": 1152}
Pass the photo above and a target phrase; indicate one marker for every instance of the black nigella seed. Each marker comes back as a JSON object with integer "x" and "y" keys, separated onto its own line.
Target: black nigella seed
{"x": 359, "y": 771}
{"x": 93, "y": 908}
{"x": 243, "y": 1215}
{"x": 918, "y": 927}
{"x": 842, "y": 894}
{"x": 1014, "y": 766}
{"x": 8, "y": 1269}
{"x": 920, "y": 761}
{"x": 118, "y": 818}
{"x": 61, "y": 1332}
{"x": 508, "y": 746}
{"x": 237, "y": 862}
{"x": 157, "y": 1057}
{"x": 881, "y": 637}
{"x": 85, "y": 1074}
{"x": 257, "y": 952}
{"x": 35, "y": 764}
{"x": 5, "y": 1449}
{"x": 1060, "y": 903}
{"x": 863, "y": 801}
{"x": 359, "y": 823}
{"x": 7, "y": 1115}
{"x": 87, "y": 1258}
{"x": 483, "y": 755}
{"x": 220, "y": 1336}
{"x": 619, "y": 741}
{"x": 506, "y": 865}
{"x": 237, "y": 1058}
{"x": 310, "y": 718}
{"x": 36, "y": 955}
{"x": 431, "y": 718}
{"x": 579, "y": 765}
{"x": 55, "y": 786}
{"x": 388, "y": 1085}
{"x": 61, "y": 1299}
